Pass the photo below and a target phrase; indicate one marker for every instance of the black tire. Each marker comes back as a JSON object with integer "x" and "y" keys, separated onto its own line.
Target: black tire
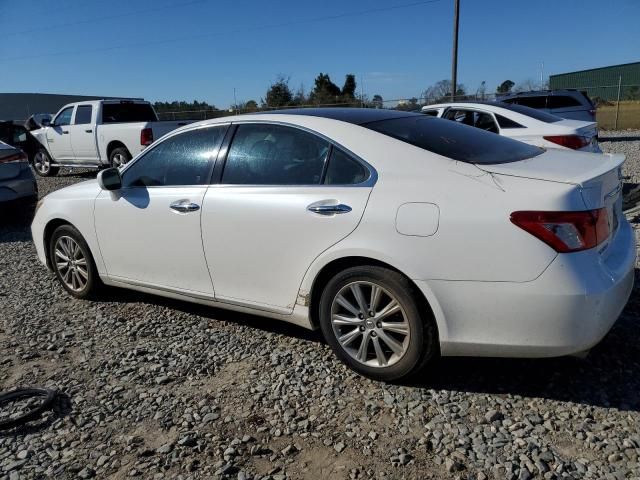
{"x": 42, "y": 164}
{"x": 422, "y": 343}
{"x": 119, "y": 156}
{"x": 93, "y": 282}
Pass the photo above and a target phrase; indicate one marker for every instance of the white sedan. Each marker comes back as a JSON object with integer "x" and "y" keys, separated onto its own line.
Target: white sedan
{"x": 521, "y": 123}
{"x": 399, "y": 235}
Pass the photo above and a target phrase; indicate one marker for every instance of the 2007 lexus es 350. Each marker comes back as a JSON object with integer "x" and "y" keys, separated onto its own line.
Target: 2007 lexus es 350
{"x": 399, "y": 235}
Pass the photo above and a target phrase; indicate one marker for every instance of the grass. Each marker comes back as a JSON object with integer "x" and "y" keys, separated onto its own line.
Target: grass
{"x": 629, "y": 117}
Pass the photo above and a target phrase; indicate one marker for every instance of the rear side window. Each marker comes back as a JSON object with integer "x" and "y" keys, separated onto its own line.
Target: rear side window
{"x": 183, "y": 159}
{"x": 263, "y": 154}
{"x": 505, "y": 122}
{"x": 83, "y": 115}
{"x": 563, "y": 101}
{"x": 127, "y": 112}
{"x": 344, "y": 170}
{"x": 431, "y": 113}
{"x": 455, "y": 141}
{"x": 532, "y": 102}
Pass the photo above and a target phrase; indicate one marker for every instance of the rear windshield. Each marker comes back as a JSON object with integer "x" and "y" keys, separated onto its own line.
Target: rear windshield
{"x": 127, "y": 112}
{"x": 531, "y": 112}
{"x": 455, "y": 141}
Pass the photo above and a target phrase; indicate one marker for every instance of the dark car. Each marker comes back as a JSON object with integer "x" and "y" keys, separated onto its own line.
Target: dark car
{"x": 17, "y": 135}
{"x": 18, "y": 187}
{"x": 571, "y": 104}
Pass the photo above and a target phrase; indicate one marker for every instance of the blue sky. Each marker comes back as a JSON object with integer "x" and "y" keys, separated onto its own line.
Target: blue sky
{"x": 203, "y": 49}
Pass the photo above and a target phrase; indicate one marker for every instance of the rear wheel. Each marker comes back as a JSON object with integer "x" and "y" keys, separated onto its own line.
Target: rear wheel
{"x": 371, "y": 318}
{"x": 119, "y": 156}
{"x": 42, "y": 164}
{"x": 73, "y": 263}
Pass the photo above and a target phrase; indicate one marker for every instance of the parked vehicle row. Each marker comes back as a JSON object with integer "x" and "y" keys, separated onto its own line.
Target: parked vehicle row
{"x": 521, "y": 123}
{"x": 97, "y": 134}
{"x": 399, "y": 235}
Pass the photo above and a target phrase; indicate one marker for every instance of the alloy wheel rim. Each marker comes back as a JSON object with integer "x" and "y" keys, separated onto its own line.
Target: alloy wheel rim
{"x": 119, "y": 160}
{"x": 370, "y": 324}
{"x": 41, "y": 162}
{"x": 71, "y": 263}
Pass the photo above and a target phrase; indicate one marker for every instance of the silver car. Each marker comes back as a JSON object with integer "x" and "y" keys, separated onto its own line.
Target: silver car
{"x": 18, "y": 187}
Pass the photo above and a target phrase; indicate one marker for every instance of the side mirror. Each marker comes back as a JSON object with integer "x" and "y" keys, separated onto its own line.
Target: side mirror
{"x": 109, "y": 179}
{"x": 45, "y": 122}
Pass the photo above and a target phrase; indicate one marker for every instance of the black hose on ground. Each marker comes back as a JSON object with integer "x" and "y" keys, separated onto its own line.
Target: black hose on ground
{"x": 47, "y": 395}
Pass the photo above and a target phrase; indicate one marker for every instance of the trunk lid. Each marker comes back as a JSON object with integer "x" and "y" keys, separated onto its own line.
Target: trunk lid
{"x": 599, "y": 177}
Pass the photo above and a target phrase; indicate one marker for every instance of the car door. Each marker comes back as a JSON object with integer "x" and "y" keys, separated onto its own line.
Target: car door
{"x": 149, "y": 230}
{"x": 83, "y": 139}
{"x": 58, "y": 138}
{"x": 284, "y": 196}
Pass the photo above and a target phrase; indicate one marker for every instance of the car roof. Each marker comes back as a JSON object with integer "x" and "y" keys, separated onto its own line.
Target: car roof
{"x": 357, "y": 116}
{"x": 537, "y": 93}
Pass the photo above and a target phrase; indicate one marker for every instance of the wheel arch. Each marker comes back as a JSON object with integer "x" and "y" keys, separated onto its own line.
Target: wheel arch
{"x": 49, "y": 228}
{"x": 336, "y": 265}
{"x": 112, "y": 145}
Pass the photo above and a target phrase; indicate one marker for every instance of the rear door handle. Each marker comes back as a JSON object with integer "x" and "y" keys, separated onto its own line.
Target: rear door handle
{"x": 89, "y": 131}
{"x": 184, "y": 206}
{"x": 66, "y": 132}
{"x": 329, "y": 209}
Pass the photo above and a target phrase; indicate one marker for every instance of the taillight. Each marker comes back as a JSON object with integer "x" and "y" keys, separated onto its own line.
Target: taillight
{"x": 565, "y": 231}
{"x": 146, "y": 136}
{"x": 570, "y": 141}
{"x": 16, "y": 157}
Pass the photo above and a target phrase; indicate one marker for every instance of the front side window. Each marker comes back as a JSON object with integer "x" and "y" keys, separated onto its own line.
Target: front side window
{"x": 431, "y": 113}
{"x": 83, "y": 115}
{"x": 64, "y": 117}
{"x": 184, "y": 159}
{"x": 262, "y": 154}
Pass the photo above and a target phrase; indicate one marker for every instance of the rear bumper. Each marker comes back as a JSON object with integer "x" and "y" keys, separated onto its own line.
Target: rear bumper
{"x": 568, "y": 309}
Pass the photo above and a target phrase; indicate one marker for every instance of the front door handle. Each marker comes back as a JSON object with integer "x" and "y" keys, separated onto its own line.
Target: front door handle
{"x": 66, "y": 132}
{"x": 89, "y": 130}
{"x": 184, "y": 206}
{"x": 329, "y": 209}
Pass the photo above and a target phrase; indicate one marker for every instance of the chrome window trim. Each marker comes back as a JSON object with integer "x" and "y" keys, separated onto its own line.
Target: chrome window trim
{"x": 369, "y": 182}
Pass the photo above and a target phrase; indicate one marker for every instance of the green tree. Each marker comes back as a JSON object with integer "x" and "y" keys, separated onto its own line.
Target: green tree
{"x": 505, "y": 87}
{"x": 279, "y": 93}
{"x": 377, "y": 101}
{"x": 349, "y": 88}
{"x": 324, "y": 90}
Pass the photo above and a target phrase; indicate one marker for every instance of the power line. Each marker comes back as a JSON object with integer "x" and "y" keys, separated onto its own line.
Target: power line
{"x": 217, "y": 34}
{"x": 145, "y": 11}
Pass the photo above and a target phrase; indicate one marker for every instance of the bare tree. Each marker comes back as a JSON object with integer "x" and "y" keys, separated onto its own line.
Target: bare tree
{"x": 527, "y": 85}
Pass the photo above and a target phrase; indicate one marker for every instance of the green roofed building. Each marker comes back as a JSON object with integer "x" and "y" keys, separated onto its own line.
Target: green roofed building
{"x": 602, "y": 83}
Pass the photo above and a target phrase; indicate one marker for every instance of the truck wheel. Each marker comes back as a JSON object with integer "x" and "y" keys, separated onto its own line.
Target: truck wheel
{"x": 42, "y": 164}
{"x": 119, "y": 156}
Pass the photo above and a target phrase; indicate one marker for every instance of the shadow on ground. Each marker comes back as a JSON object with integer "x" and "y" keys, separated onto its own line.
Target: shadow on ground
{"x": 618, "y": 139}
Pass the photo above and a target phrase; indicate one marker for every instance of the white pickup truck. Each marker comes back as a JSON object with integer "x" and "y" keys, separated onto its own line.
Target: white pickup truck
{"x": 96, "y": 134}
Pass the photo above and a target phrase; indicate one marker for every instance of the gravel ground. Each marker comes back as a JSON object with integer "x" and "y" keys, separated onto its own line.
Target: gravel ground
{"x": 161, "y": 389}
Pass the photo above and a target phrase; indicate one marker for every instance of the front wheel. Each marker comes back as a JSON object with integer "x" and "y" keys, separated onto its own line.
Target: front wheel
{"x": 73, "y": 263}
{"x": 42, "y": 164}
{"x": 372, "y": 319}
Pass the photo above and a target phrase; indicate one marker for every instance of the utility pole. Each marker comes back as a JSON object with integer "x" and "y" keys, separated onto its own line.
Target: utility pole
{"x": 454, "y": 61}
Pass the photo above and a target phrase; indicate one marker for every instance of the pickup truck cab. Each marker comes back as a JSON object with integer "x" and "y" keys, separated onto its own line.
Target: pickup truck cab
{"x": 97, "y": 134}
